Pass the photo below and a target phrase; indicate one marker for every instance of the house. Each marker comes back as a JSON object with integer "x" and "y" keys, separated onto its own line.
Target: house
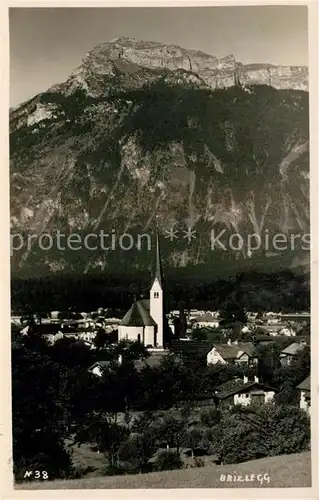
{"x": 237, "y": 352}
{"x": 296, "y": 317}
{"x": 144, "y": 321}
{"x": 15, "y": 320}
{"x": 279, "y": 329}
{"x": 152, "y": 361}
{"x": 305, "y": 394}
{"x": 288, "y": 354}
{"x": 244, "y": 392}
{"x": 73, "y": 331}
{"x": 51, "y": 332}
{"x": 99, "y": 368}
{"x": 271, "y": 318}
{"x": 206, "y": 320}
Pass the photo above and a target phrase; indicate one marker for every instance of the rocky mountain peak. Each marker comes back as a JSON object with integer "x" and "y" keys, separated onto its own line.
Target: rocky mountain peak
{"x": 131, "y": 56}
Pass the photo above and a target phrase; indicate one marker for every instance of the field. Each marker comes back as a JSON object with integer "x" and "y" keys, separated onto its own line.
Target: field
{"x": 284, "y": 471}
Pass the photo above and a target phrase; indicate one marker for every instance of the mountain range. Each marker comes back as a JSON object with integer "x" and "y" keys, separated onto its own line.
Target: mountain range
{"x": 143, "y": 133}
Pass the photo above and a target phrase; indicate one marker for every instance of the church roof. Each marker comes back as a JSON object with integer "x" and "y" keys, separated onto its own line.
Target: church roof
{"x": 138, "y": 315}
{"x": 158, "y": 269}
{"x": 145, "y": 303}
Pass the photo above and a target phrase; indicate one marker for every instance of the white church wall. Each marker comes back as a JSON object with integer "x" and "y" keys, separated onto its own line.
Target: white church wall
{"x": 149, "y": 333}
{"x": 130, "y": 333}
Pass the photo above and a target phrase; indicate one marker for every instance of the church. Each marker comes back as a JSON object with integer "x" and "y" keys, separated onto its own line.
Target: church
{"x": 144, "y": 321}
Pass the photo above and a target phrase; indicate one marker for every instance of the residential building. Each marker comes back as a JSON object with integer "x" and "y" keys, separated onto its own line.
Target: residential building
{"x": 99, "y": 368}
{"x": 73, "y": 331}
{"x": 279, "y": 329}
{"x": 288, "y": 354}
{"x": 304, "y": 389}
{"x": 271, "y": 318}
{"x": 232, "y": 352}
{"x": 51, "y": 332}
{"x": 244, "y": 392}
{"x": 298, "y": 317}
{"x": 151, "y": 361}
{"x": 206, "y": 320}
{"x": 16, "y": 320}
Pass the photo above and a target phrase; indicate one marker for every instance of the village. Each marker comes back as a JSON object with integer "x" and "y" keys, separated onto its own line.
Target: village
{"x": 289, "y": 330}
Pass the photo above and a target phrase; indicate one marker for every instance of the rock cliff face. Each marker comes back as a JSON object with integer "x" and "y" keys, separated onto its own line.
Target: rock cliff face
{"x": 216, "y": 73}
{"x": 142, "y": 129}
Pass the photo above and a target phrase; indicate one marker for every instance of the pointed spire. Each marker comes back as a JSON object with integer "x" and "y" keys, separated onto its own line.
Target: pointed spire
{"x": 158, "y": 270}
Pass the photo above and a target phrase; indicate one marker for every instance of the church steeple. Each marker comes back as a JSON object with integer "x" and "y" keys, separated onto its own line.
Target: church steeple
{"x": 158, "y": 268}
{"x": 156, "y": 296}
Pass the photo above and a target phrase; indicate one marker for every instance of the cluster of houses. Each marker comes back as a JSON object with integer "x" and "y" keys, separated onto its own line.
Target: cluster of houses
{"x": 57, "y": 325}
{"x": 146, "y": 322}
{"x": 237, "y": 391}
{"x": 269, "y": 323}
{"x": 85, "y": 326}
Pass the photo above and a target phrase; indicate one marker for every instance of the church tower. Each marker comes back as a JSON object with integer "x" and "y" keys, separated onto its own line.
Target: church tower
{"x": 156, "y": 297}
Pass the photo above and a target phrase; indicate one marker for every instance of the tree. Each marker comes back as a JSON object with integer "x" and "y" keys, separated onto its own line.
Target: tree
{"x": 131, "y": 350}
{"x": 102, "y": 339}
{"x": 168, "y": 460}
{"x": 114, "y": 313}
{"x": 41, "y": 413}
{"x": 182, "y": 320}
{"x": 86, "y": 394}
{"x": 72, "y": 353}
{"x": 107, "y": 435}
{"x": 193, "y": 439}
{"x": 288, "y": 377}
{"x": 232, "y": 311}
{"x": 171, "y": 430}
{"x": 199, "y": 334}
{"x": 210, "y": 417}
{"x": 219, "y": 373}
{"x": 137, "y": 450}
{"x": 268, "y": 362}
{"x": 248, "y": 433}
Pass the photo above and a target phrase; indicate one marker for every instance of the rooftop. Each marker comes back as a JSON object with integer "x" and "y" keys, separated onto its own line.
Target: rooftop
{"x": 237, "y": 385}
{"x": 206, "y": 318}
{"x": 305, "y": 385}
{"x": 138, "y": 315}
{"x": 231, "y": 351}
{"x": 293, "y": 348}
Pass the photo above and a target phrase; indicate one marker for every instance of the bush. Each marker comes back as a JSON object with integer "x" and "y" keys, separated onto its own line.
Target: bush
{"x": 198, "y": 462}
{"x": 168, "y": 460}
{"x": 210, "y": 417}
{"x": 136, "y": 451}
{"x": 250, "y": 433}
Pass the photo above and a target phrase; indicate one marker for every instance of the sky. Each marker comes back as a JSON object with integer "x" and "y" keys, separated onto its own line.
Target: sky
{"x": 47, "y": 44}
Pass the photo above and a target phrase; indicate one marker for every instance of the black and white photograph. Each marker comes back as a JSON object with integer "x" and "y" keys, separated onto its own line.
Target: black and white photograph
{"x": 161, "y": 325}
